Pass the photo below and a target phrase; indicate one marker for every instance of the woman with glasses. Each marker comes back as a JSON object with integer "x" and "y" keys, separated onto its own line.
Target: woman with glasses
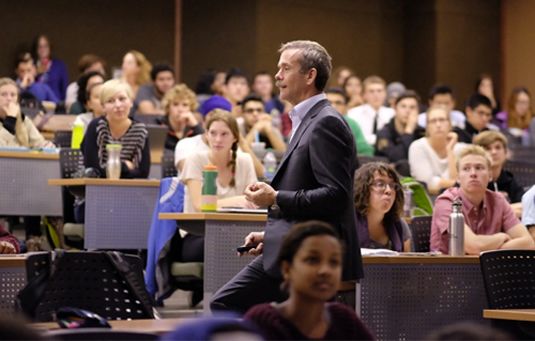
{"x": 432, "y": 158}
{"x": 516, "y": 119}
{"x": 378, "y": 198}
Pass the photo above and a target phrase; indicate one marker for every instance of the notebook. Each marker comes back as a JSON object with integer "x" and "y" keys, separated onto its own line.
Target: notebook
{"x": 157, "y": 137}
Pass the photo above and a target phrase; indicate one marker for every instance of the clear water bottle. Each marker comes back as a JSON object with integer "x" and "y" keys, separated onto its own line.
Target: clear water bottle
{"x": 408, "y": 204}
{"x": 456, "y": 228}
{"x": 113, "y": 163}
{"x": 270, "y": 164}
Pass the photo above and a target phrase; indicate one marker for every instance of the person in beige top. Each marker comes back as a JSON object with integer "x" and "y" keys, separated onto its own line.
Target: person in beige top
{"x": 16, "y": 130}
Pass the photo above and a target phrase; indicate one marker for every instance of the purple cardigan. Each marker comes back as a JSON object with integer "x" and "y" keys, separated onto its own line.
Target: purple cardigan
{"x": 394, "y": 232}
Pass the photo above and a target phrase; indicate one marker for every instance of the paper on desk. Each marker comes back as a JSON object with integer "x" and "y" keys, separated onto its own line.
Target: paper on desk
{"x": 378, "y": 252}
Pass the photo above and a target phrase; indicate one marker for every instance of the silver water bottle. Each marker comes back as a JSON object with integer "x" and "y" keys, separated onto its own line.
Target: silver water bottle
{"x": 456, "y": 228}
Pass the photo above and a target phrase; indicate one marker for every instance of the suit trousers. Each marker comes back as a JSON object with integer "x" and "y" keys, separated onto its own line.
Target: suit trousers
{"x": 251, "y": 286}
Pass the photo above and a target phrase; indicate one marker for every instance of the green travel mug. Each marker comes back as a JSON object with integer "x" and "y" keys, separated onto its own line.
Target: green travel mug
{"x": 209, "y": 189}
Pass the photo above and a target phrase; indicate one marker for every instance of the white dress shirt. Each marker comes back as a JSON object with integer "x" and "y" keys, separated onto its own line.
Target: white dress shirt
{"x": 365, "y": 116}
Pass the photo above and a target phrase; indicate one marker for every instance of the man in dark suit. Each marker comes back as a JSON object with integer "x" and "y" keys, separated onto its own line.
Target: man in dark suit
{"x": 314, "y": 180}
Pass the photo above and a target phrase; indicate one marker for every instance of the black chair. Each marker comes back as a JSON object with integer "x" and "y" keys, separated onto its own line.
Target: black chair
{"x": 523, "y": 153}
{"x": 100, "y": 334}
{"x": 365, "y": 159}
{"x": 508, "y": 276}
{"x": 168, "y": 166}
{"x": 71, "y": 162}
{"x": 421, "y": 232}
{"x": 63, "y": 138}
{"x": 88, "y": 280}
{"x": 523, "y": 171}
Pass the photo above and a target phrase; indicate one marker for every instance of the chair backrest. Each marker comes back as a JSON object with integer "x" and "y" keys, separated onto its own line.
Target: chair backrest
{"x": 63, "y": 138}
{"x": 523, "y": 153}
{"x": 523, "y": 171}
{"x": 421, "y": 232}
{"x": 90, "y": 281}
{"x": 365, "y": 159}
{"x": 70, "y": 162}
{"x": 168, "y": 166}
{"x": 509, "y": 278}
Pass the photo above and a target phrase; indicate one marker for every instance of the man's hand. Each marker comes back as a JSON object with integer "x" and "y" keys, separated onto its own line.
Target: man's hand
{"x": 452, "y": 139}
{"x": 47, "y": 144}
{"x": 412, "y": 122}
{"x": 189, "y": 119}
{"x": 27, "y": 80}
{"x": 254, "y": 238}
{"x": 260, "y": 194}
{"x": 7, "y": 248}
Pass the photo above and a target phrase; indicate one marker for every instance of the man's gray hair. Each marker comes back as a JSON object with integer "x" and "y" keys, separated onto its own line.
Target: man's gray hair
{"x": 313, "y": 56}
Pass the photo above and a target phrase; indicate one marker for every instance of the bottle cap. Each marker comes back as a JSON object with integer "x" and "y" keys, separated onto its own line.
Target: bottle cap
{"x": 210, "y": 167}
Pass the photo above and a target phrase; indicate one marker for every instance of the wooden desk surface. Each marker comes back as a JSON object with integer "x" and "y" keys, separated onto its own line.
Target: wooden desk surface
{"x": 152, "y": 326}
{"x": 29, "y": 155}
{"x": 104, "y": 182}
{"x": 510, "y": 314}
{"x": 439, "y": 259}
{"x": 12, "y": 261}
{"x": 213, "y": 216}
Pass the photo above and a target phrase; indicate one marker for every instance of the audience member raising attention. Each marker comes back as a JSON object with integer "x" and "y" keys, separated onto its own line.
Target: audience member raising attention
{"x": 84, "y": 83}
{"x": 94, "y": 107}
{"x": 490, "y": 223}
{"x": 16, "y": 130}
{"x": 379, "y": 202}
{"x": 26, "y": 73}
{"x": 372, "y": 116}
{"x": 149, "y": 96}
{"x": 310, "y": 259}
{"x": 236, "y": 88}
{"x": 88, "y": 63}
{"x": 50, "y": 71}
{"x": 519, "y": 113}
{"x": 353, "y": 88}
{"x": 136, "y": 70}
{"x": 443, "y": 95}
{"x": 485, "y": 87}
{"x": 179, "y": 104}
{"x": 235, "y": 171}
{"x": 258, "y": 125}
{"x": 117, "y": 128}
{"x": 478, "y": 116}
{"x": 338, "y": 100}
{"x": 394, "y": 140}
{"x": 495, "y": 143}
{"x": 432, "y": 159}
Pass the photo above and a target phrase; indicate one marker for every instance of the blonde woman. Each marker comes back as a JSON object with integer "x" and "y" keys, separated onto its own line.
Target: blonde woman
{"x": 136, "y": 70}
{"x": 179, "y": 104}
{"x": 16, "y": 130}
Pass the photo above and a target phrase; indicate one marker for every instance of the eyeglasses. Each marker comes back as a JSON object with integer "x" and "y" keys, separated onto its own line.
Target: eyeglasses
{"x": 381, "y": 186}
{"x": 437, "y": 120}
{"x": 484, "y": 113}
{"x": 252, "y": 110}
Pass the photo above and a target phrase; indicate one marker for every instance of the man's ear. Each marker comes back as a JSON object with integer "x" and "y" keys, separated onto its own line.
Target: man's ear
{"x": 311, "y": 76}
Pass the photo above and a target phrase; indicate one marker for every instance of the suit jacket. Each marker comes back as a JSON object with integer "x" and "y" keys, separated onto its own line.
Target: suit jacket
{"x": 315, "y": 182}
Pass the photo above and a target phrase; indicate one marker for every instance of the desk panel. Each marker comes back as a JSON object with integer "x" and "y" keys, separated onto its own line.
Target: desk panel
{"x": 118, "y": 217}
{"x": 24, "y": 185}
{"x": 406, "y": 301}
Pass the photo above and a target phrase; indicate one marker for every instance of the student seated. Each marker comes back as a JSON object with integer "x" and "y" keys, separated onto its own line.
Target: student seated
{"x": 432, "y": 158}
{"x": 257, "y": 123}
{"x": 117, "y": 128}
{"x": 310, "y": 259}
{"x": 87, "y": 63}
{"x": 84, "y": 83}
{"x": 518, "y": 115}
{"x": 179, "y": 105}
{"x": 528, "y": 211}
{"x": 478, "y": 116}
{"x": 379, "y": 199}
{"x": 490, "y": 222}
{"x": 26, "y": 73}
{"x": 149, "y": 97}
{"x": 443, "y": 95}
{"x": 235, "y": 171}
{"x": 17, "y": 130}
{"x": 94, "y": 107}
{"x": 495, "y": 143}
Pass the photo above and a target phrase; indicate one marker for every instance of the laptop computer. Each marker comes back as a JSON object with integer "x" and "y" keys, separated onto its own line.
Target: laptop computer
{"x": 157, "y": 137}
